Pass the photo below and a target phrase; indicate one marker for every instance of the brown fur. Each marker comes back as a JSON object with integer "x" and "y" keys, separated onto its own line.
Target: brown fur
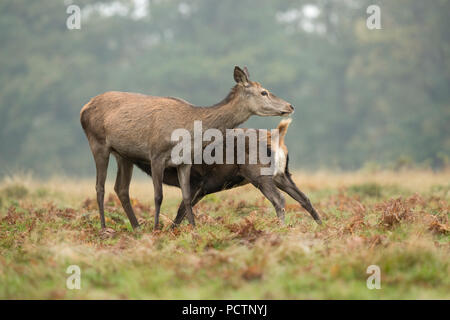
{"x": 213, "y": 178}
{"x": 137, "y": 128}
{"x": 207, "y": 179}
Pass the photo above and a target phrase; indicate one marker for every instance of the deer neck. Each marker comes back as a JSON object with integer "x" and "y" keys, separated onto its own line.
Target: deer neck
{"x": 226, "y": 115}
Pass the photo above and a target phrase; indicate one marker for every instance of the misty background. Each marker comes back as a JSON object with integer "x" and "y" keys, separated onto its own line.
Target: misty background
{"x": 363, "y": 97}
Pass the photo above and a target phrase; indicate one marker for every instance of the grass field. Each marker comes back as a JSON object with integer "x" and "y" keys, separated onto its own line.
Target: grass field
{"x": 397, "y": 221}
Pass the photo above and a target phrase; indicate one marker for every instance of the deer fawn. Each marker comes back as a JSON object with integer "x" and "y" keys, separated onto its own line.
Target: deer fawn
{"x": 136, "y": 129}
{"x": 207, "y": 179}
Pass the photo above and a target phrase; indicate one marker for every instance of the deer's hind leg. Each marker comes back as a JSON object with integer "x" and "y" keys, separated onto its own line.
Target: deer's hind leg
{"x": 285, "y": 183}
{"x": 101, "y": 156}
{"x": 122, "y": 187}
{"x": 271, "y": 192}
{"x": 266, "y": 185}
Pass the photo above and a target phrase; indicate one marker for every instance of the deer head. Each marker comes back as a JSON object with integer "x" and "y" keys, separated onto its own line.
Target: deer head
{"x": 258, "y": 100}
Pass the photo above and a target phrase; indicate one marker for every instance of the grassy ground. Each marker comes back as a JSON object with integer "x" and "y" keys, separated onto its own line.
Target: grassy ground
{"x": 397, "y": 221}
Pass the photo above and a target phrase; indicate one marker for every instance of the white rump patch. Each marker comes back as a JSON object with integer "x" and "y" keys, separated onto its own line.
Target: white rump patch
{"x": 280, "y": 161}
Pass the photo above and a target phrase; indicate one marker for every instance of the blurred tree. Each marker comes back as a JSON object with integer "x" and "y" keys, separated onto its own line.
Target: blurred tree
{"x": 360, "y": 95}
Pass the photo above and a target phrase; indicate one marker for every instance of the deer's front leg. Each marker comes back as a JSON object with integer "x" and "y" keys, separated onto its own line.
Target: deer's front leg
{"x": 184, "y": 177}
{"x": 157, "y": 176}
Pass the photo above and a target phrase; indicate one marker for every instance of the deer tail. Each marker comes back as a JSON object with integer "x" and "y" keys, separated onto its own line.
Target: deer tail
{"x": 282, "y": 130}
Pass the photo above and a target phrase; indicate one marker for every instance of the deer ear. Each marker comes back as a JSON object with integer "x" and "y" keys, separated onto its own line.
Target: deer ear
{"x": 246, "y": 72}
{"x": 240, "y": 76}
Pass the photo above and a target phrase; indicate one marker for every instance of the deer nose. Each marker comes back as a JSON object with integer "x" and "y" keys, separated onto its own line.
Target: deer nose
{"x": 291, "y": 107}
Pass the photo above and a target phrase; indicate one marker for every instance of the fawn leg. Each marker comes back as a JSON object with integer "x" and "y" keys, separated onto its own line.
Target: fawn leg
{"x": 285, "y": 183}
{"x": 266, "y": 185}
{"x": 198, "y": 195}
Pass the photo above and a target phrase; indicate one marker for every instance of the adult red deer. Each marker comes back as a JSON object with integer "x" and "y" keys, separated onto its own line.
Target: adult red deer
{"x": 137, "y": 128}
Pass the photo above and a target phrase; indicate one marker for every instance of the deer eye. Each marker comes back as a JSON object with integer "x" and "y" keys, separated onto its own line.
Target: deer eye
{"x": 264, "y": 93}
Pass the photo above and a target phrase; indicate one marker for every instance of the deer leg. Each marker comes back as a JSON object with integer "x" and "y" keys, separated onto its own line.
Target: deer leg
{"x": 275, "y": 197}
{"x": 269, "y": 190}
{"x": 209, "y": 184}
{"x": 122, "y": 187}
{"x": 184, "y": 176}
{"x": 198, "y": 195}
{"x": 157, "y": 176}
{"x": 101, "y": 157}
{"x": 285, "y": 183}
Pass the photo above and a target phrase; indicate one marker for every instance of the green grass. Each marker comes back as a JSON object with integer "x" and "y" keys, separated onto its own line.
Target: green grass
{"x": 237, "y": 251}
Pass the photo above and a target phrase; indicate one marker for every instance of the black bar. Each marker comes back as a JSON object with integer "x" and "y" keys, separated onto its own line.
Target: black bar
{"x": 223, "y": 309}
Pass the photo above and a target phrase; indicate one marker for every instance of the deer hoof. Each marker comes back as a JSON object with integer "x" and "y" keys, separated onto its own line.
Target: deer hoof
{"x": 158, "y": 227}
{"x": 106, "y": 233}
{"x": 141, "y": 221}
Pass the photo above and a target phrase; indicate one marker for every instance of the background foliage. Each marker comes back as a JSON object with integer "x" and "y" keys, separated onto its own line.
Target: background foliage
{"x": 361, "y": 96}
